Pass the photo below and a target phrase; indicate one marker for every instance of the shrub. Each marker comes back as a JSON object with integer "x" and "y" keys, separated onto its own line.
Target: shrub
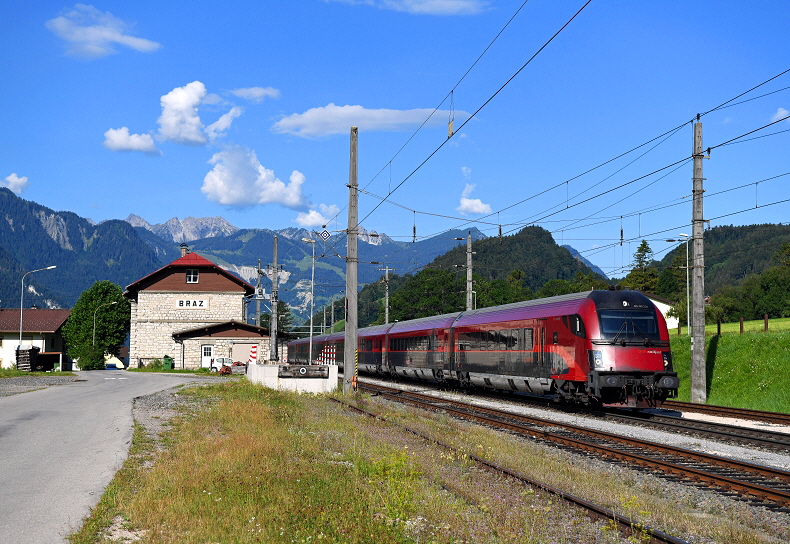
{"x": 92, "y": 358}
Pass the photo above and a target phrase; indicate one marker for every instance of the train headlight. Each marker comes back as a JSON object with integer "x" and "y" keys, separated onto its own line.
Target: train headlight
{"x": 596, "y": 358}
{"x": 667, "y": 360}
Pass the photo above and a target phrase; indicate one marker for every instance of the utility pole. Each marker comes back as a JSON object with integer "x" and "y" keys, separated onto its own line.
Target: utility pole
{"x": 273, "y": 355}
{"x": 469, "y": 272}
{"x": 258, "y": 293}
{"x": 350, "y": 346}
{"x": 699, "y": 392}
{"x": 386, "y": 270}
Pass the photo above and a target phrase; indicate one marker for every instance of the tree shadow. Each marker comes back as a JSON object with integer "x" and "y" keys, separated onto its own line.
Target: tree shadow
{"x": 710, "y": 362}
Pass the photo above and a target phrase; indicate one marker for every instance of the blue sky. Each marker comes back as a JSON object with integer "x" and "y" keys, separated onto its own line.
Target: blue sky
{"x": 242, "y": 109}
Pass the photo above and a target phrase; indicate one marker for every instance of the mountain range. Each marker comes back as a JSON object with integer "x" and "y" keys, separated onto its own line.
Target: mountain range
{"x": 33, "y": 236}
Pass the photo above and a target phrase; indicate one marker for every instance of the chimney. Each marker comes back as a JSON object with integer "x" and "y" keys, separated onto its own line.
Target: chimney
{"x": 184, "y": 250}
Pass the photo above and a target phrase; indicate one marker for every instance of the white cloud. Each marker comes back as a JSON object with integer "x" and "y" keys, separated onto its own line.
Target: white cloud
{"x": 180, "y": 121}
{"x": 239, "y": 179}
{"x": 119, "y": 139}
{"x": 427, "y": 7}
{"x": 256, "y": 94}
{"x": 221, "y": 126}
{"x": 472, "y": 205}
{"x": 314, "y": 218}
{"x": 331, "y": 119}
{"x": 15, "y": 183}
{"x": 781, "y": 113}
{"x": 466, "y": 171}
{"x": 93, "y": 34}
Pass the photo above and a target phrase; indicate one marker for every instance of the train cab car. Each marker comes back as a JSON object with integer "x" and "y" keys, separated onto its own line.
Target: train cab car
{"x": 630, "y": 361}
{"x": 601, "y": 347}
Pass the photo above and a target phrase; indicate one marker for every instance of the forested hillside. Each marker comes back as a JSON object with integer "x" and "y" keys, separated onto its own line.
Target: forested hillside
{"x": 532, "y": 250}
{"x": 33, "y": 236}
{"x": 734, "y": 253}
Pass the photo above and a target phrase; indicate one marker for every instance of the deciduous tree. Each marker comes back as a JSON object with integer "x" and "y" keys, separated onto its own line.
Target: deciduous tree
{"x": 95, "y": 305}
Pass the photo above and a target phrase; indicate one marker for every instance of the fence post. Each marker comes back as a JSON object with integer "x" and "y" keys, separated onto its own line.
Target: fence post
{"x": 765, "y": 322}
{"x": 718, "y": 327}
{"x": 679, "y": 327}
{"x": 741, "y": 324}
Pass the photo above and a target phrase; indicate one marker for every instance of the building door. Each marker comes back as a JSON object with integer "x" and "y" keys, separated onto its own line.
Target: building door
{"x": 207, "y": 356}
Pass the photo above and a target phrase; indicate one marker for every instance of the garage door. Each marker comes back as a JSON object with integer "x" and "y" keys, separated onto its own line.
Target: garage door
{"x": 241, "y": 352}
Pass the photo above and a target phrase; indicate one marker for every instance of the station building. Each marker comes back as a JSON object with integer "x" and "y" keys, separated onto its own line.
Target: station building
{"x": 193, "y": 311}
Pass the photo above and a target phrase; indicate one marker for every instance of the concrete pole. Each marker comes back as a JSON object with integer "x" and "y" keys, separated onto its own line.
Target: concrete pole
{"x": 386, "y": 270}
{"x": 257, "y": 319}
{"x": 699, "y": 392}
{"x": 350, "y": 347}
{"x": 469, "y": 272}
{"x": 273, "y": 355}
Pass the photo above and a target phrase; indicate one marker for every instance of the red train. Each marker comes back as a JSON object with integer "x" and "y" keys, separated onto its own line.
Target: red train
{"x": 597, "y": 347}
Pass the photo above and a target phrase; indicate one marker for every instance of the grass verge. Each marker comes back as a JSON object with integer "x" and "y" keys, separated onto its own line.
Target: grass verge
{"x": 258, "y": 465}
{"x": 744, "y": 371}
{"x": 14, "y": 373}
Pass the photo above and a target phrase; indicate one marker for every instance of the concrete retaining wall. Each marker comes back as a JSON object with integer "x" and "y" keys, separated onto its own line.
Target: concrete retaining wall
{"x": 267, "y": 375}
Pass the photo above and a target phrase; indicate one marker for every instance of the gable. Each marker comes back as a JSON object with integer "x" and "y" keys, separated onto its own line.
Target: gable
{"x": 230, "y": 329}
{"x": 175, "y": 280}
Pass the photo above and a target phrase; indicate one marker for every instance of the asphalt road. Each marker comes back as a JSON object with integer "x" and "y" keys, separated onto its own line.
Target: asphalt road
{"x": 61, "y": 446}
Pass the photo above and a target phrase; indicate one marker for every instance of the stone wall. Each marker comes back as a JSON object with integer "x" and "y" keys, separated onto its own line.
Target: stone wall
{"x": 223, "y": 347}
{"x": 155, "y": 316}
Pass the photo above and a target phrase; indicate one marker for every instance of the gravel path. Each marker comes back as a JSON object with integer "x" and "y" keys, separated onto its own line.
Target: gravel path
{"x": 12, "y": 386}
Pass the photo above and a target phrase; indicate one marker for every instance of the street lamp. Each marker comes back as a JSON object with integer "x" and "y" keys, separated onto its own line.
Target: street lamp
{"x": 312, "y": 299}
{"x": 688, "y": 305}
{"x": 94, "y": 317}
{"x": 22, "y": 304}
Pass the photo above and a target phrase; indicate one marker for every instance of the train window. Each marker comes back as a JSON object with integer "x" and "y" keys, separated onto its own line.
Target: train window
{"x": 514, "y": 339}
{"x": 529, "y": 343}
{"x": 577, "y": 326}
{"x": 627, "y": 325}
{"x": 555, "y": 337}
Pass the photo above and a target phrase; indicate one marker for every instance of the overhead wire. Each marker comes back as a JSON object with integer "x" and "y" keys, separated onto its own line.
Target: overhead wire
{"x": 725, "y": 104}
{"x": 474, "y": 114}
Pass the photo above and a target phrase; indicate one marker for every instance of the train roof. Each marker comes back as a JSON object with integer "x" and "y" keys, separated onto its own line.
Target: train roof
{"x": 527, "y": 309}
{"x": 322, "y": 337}
{"x": 443, "y": 321}
{"x": 374, "y": 330}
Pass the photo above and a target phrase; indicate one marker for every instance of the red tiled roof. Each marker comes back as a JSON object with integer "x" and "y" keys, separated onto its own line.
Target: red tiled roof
{"x": 33, "y": 320}
{"x": 191, "y": 260}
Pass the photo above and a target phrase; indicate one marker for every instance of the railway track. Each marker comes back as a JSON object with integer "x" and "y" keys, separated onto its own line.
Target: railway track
{"x": 731, "y": 434}
{"x": 625, "y": 525}
{"x": 747, "y": 481}
{"x": 726, "y": 411}
{"x": 763, "y": 438}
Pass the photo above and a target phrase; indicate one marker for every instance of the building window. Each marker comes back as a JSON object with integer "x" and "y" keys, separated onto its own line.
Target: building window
{"x": 192, "y": 275}
{"x": 1, "y": 341}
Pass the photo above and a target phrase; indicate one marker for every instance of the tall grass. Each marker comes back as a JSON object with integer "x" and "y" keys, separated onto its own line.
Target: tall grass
{"x": 267, "y": 466}
{"x": 744, "y": 371}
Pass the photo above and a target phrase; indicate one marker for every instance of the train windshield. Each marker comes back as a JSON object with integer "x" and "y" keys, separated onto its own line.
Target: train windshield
{"x": 628, "y": 326}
